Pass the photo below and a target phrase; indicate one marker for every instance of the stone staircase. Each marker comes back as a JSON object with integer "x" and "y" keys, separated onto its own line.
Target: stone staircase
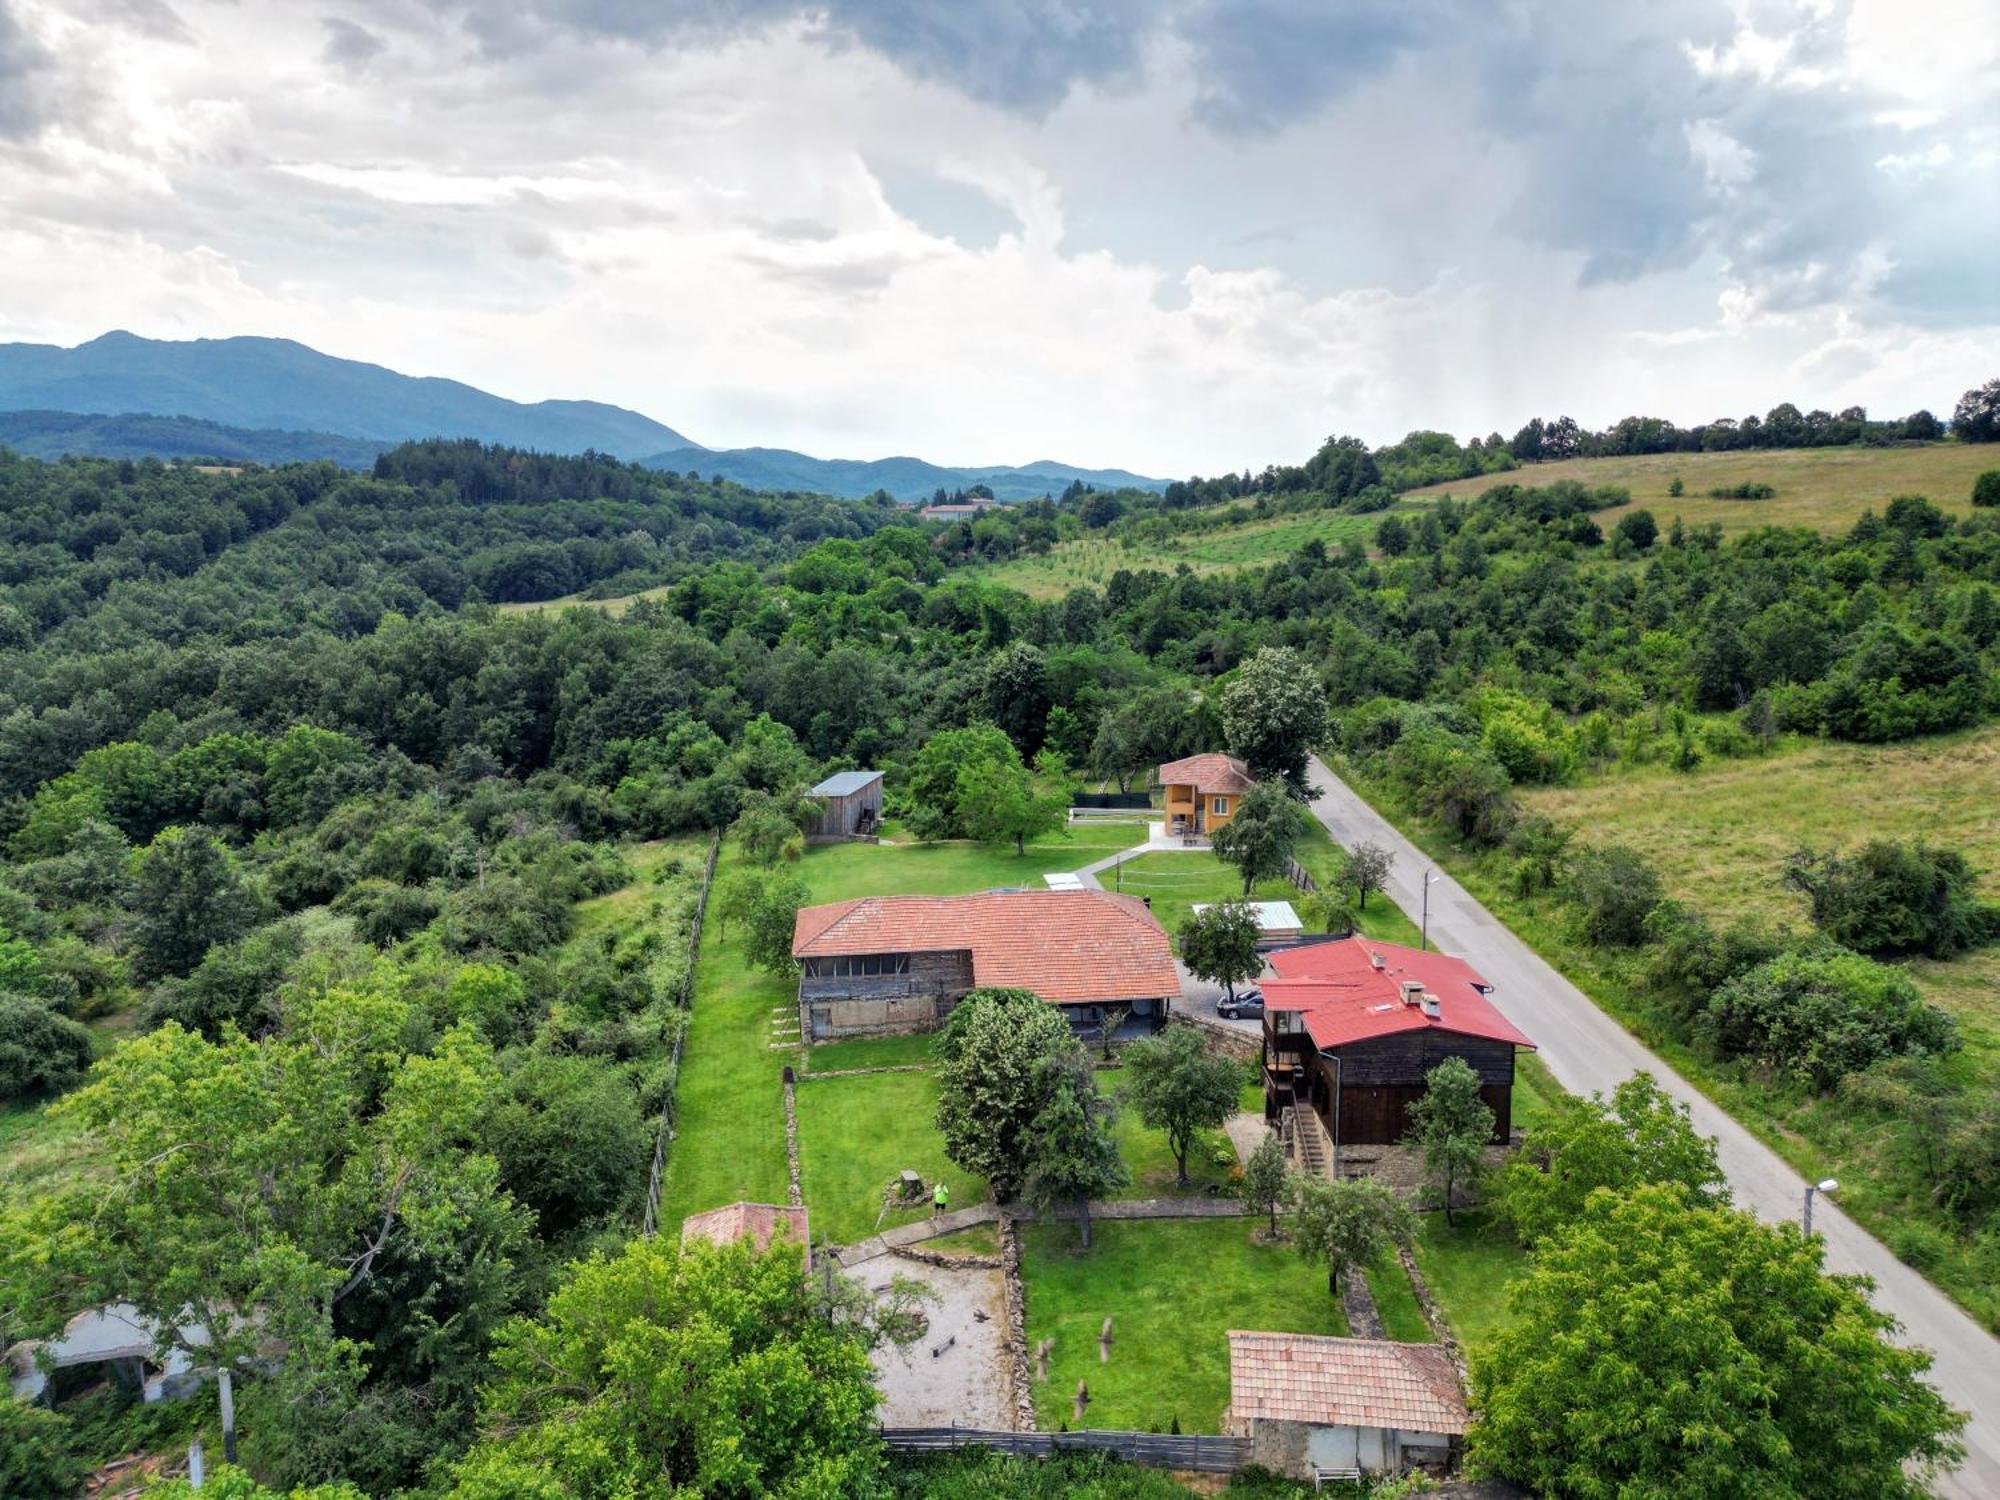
{"x": 1303, "y": 1144}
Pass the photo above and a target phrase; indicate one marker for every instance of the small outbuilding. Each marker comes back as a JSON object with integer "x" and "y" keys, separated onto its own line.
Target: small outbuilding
{"x": 1277, "y": 921}
{"x": 850, "y": 805}
{"x": 1311, "y": 1404}
{"x": 759, "y": 1223}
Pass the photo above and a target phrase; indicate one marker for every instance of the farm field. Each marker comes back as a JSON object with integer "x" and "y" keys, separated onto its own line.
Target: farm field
{"x": 1823, "y": 488}
{"x": 1092, "y": 560}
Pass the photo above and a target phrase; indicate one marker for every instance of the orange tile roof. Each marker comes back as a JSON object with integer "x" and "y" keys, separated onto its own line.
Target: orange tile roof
{"x": 758, "y": 1223}
{"x": 1300, "y": 1377}
{"x": 1208, "y": 773}
{"x": 1069, "y": 947}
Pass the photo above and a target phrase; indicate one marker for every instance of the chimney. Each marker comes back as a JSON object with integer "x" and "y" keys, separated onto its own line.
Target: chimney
{"x": 1431, "y": 1007}
{"x": 1377, "y": 961}
{"x": 1413, "y": 990}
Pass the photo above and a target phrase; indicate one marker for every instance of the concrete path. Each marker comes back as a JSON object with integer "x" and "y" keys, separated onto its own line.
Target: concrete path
{"x": 1590, "y": 1052}
{"x": 1158, "y": 841}
{"x": 916, "y": 1233}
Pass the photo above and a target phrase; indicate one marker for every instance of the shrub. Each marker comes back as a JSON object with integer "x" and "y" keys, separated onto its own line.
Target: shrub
{"x": 1750, "y": 489}
{"x": 1819, "y": 1013}
{"x": 1638, "y": 530}
{"x": 1893, "y": 898}
{"x": 37, "y": 1458}
{"x": 1986, "y": 489}
{"x": 1613, "y": 890}
{"x": 39, "y": 1049}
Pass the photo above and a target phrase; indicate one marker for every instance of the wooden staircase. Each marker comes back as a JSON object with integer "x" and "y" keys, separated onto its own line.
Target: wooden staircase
{"x": 1302, "y": 1142}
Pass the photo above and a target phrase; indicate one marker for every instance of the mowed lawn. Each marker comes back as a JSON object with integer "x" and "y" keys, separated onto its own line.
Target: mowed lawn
{"x": 1173, "y": 1289}
{"x": 730, "y": 1142}
{"x": 1826, "y": 489}
{"x": 1468, "y": 1266}
{"x": 856, "y": 1136}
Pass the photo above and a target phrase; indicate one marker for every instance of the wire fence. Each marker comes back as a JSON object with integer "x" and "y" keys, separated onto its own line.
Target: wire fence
{"x": 1188, "y": 1453}
{"x": 684, "y": 1002}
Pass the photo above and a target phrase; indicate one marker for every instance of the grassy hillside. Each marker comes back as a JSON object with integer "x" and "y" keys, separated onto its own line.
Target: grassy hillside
{"x": 1719, "y": 836}
{"x": 1825, "y": 488}
{"x": 1092, "y": 560}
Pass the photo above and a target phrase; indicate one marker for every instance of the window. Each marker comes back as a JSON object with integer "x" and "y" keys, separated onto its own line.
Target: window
{"x": 1219, "y": 807}
{"x": 1282, "y": 1021}
{"x": 862, "y": 965}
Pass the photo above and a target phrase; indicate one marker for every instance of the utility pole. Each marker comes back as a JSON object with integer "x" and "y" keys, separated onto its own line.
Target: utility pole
{"x": 1424, "y": 935}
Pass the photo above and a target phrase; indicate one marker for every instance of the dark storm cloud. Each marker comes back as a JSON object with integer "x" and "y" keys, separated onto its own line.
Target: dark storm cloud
{"x": 1265, "y": 64}
{"x": 25, "y": 97}
{"x": 349, "y": 44}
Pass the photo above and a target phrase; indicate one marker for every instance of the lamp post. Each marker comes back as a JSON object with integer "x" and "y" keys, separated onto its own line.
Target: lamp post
{"x": 1424, "y": 935}
{"x": 1824, "y": 1185}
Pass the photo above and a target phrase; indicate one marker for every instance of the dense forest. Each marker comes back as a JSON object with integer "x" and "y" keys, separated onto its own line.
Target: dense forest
{"x": 293, "y": 806}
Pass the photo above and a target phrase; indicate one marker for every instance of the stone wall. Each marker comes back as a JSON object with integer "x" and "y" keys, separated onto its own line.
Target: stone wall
{"x": 1020, "y": 1378}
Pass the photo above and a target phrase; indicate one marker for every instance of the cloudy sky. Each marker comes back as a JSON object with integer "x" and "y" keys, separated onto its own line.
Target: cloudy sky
{"x": 1178, "y": 235}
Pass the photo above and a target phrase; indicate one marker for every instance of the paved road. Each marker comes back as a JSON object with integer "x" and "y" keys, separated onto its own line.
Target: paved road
{"x": 1588, "y": 1051}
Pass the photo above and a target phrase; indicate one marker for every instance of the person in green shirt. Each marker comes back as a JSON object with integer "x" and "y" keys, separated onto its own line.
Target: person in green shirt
{"x": 940, "y": 1199}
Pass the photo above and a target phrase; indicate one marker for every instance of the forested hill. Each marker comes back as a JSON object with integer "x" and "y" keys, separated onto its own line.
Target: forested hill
{"x": 56, "y": 434}
{"x": 276, "y": 383}
{"x": 902, "y": 478}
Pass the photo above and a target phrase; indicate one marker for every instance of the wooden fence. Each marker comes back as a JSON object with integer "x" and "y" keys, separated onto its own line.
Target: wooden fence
{"x": 1300, "y": 877}
{"x": 684, "y": 1002}
{"x": 1191, "y": 1453}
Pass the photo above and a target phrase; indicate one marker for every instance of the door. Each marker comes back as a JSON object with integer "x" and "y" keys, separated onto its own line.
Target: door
{"x": 1334, "y": 1448}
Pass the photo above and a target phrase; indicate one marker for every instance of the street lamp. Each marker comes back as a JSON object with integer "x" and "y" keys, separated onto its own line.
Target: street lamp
{"x": 1424, "y": 936}
{"x": 1824, "y": 1185}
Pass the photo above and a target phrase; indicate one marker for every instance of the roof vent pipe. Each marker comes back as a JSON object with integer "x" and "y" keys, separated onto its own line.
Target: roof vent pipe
{"x": 1413, "y": 990}
{"x": 1431, "y": 1007}
{"x": 1377, "y": 961}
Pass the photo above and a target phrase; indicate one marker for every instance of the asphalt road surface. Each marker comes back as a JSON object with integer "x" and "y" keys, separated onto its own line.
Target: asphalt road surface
{"x": 1589, "y": 1052}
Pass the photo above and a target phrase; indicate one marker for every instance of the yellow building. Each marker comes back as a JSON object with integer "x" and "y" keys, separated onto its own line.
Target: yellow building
{"x": 1203, "y": 791}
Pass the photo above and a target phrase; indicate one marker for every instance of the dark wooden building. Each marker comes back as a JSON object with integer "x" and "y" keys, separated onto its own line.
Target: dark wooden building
{"x": 886, "y": 964}
{"x": 850, "y": 805}
{"x": 1351, "y": 1028}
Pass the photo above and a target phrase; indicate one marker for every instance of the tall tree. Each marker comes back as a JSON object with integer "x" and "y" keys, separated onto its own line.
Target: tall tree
{"x": 1638, "y": 1135}
{"x": 1177, "y": 1085}
{"x": 1656, "y": 1347}
{"x": 191, "y": 896}
{"x": 1071, "y": 1155}
{"x": 770, "y": 922}
{"x": 1260, "y": 839}
{"x": 993, "y": 1081}
{"x": 1274, "y": 713}
{"x": 936, "y": 809}
{"x": 1451, "y": 1125}
{"x": 770, "y": 826}
{"x": 1976, "y": 418}
{"x": 1346, "y": 1223}
{"x": 999, "y": 801}
{"x": 1219, "y": 944}
{"x": 672, "y": 1369}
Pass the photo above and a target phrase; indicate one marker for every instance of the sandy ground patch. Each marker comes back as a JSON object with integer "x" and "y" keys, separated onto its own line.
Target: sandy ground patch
{"x": 966, "y": 1382}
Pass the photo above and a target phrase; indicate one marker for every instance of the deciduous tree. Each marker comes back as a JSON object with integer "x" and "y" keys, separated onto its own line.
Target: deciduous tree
{"x": 191, "y": 896}
{"x": 1661, "y": 1348}
{"x": 1219, "y": 944}
{"x": 1260, "y": 839}
{"x": 1177, "y": 1085}
{"x": 1266, "y": 1179}
{"x": 1274, "y": 713}
{"x": 1451, "y": 1125}
{"x": 1071, "y": 1155}
{"x": 1346, "y": 1223}
{"x": 993, "y": 1081}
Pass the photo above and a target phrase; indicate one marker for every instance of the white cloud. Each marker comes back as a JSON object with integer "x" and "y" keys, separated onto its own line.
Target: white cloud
{"x": 1592, "y": 223}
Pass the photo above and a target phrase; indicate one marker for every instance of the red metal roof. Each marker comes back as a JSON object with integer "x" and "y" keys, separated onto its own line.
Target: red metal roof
{"x": 1345, "y": 998}
{"x": 1069, "y": 947}
{"x": 1207, "y": 773}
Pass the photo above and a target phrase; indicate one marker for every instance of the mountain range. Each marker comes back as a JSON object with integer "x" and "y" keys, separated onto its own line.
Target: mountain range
{"x": 274, "y": 400}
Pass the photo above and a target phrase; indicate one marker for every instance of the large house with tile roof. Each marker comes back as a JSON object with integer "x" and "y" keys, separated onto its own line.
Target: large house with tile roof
{"x": 1352, "y": 1027}
{"x": 885, "y": 964}
{"x": 1201, "y": 793}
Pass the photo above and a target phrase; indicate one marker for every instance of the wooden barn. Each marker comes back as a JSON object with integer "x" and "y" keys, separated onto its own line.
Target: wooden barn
{"x": 1352, "y": 1027}
{"x": 850, "y": 805}
{"x": 884, "y": 964}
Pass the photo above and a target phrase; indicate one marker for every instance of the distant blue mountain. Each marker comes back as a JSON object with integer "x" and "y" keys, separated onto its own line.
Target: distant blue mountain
{"x": 256, "y": 383}
{"x": 55, "y": 434}
{"x": 273, "y": 401}
{"x": 904, "y": 478}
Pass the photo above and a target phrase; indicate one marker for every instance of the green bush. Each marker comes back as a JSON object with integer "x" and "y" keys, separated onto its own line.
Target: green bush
{"x": 40, "y": 1051}
{"x": 1894, "y": 899}
{"x": 1986, "y": 489}
{"x": 1613, "y": 890}
{"x": 37, "y": 1459}
{"x": 1819, "y": 1013}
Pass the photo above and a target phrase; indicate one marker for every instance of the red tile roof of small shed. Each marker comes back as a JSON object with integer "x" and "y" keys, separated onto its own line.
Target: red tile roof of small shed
{"x": 1329, "y": 1382}
{"x": 758, "y": 1223}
